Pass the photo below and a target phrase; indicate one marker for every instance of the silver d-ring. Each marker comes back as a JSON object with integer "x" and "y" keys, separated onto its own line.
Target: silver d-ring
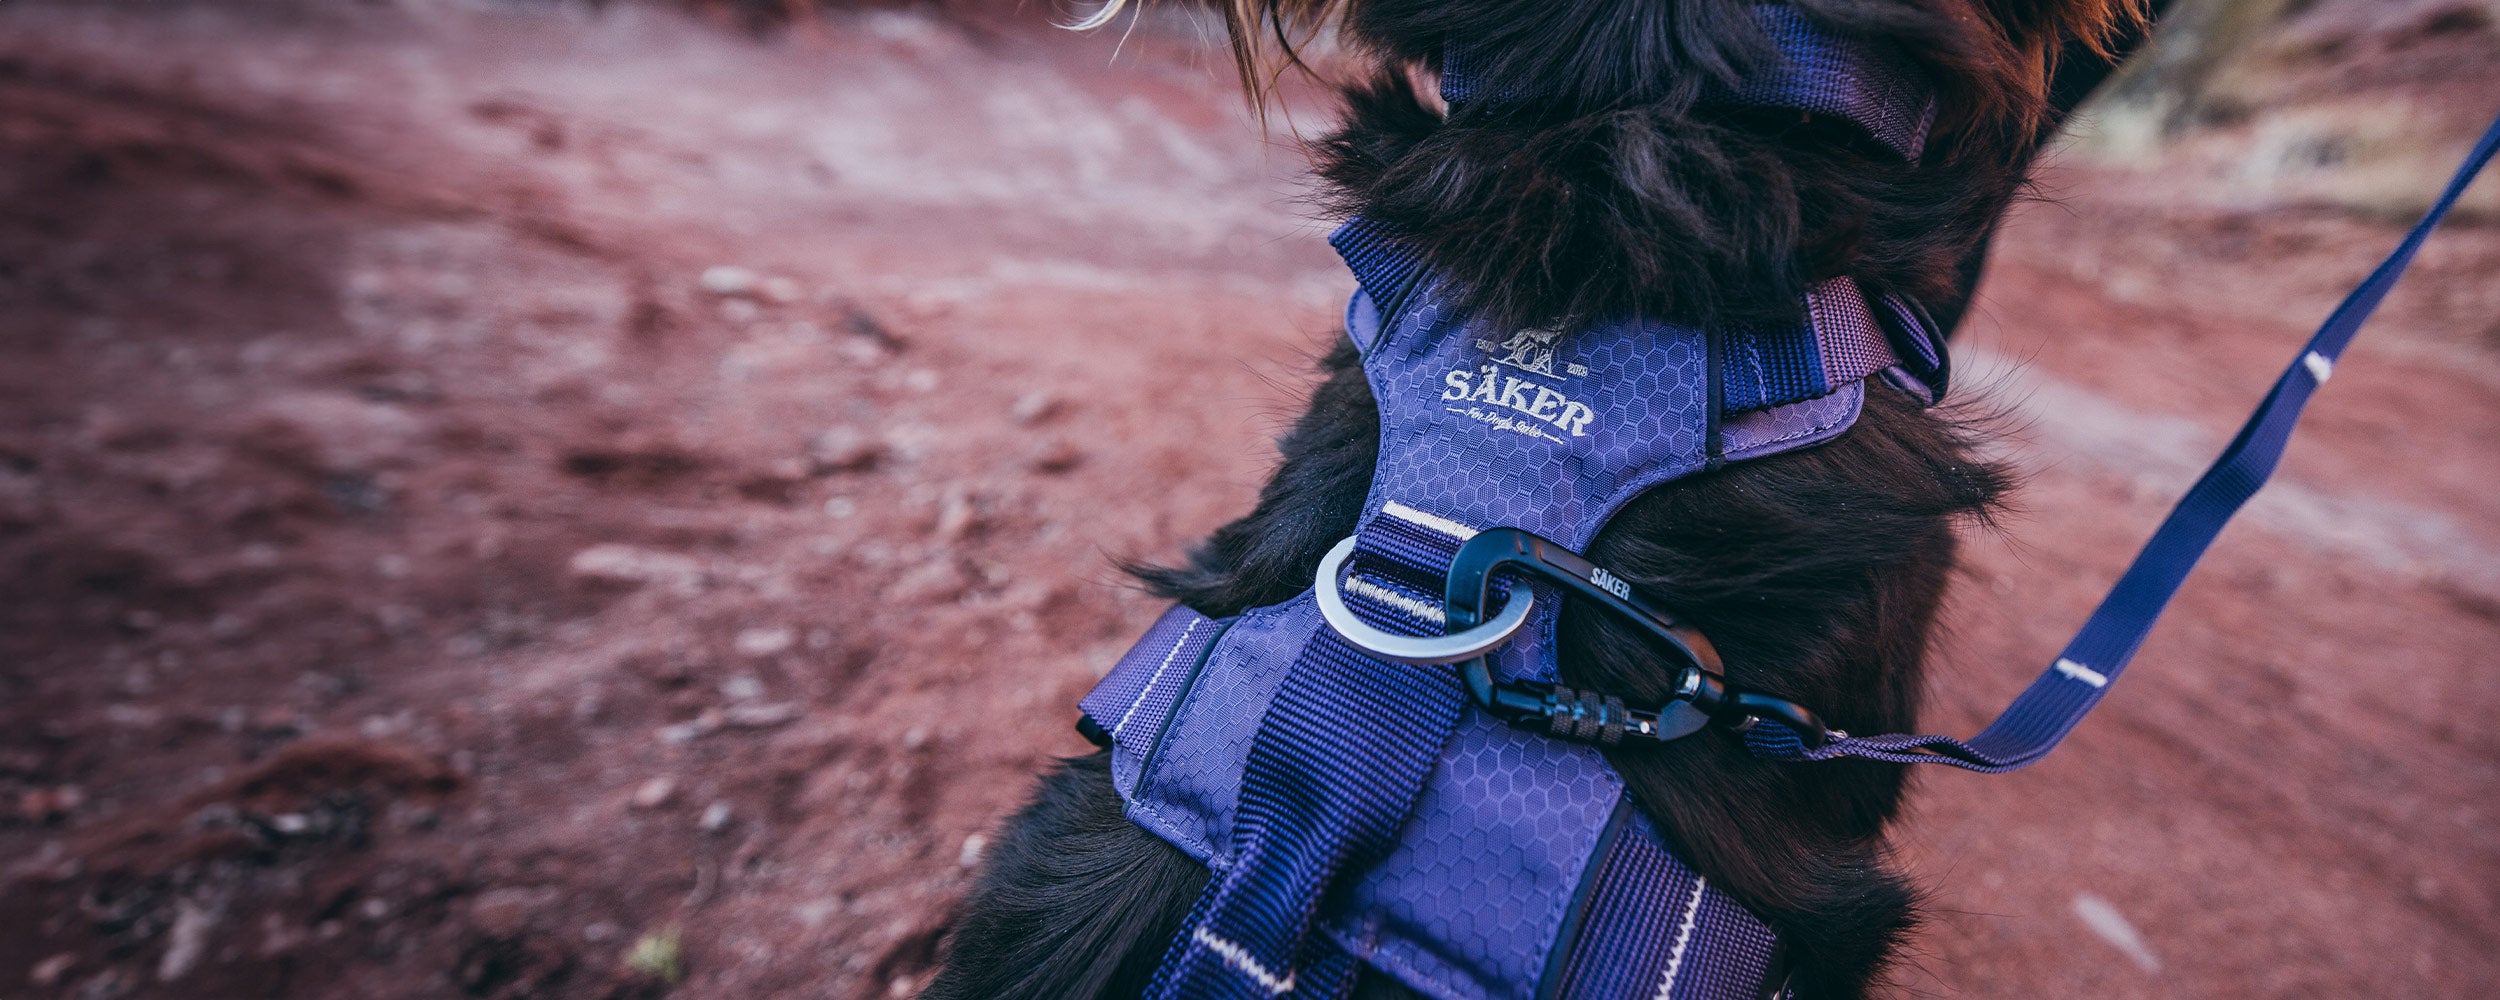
{"x": 1422, "y": 650}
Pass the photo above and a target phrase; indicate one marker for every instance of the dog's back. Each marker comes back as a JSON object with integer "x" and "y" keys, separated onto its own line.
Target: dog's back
{"x": 1618, "y": 190}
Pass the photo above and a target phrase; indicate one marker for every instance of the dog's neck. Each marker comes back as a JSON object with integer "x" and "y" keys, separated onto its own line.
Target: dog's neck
{"x": 1593, "y": 165}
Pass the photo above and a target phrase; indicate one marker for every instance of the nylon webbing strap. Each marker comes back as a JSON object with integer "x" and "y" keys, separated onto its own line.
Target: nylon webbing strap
{"x": 1333, "y": 772}
{"x": 1838, "y": 340}
{"x": 1872, "y": 85}
{"x": 2049, "y": 709}
{"x": 1654, "y": 929}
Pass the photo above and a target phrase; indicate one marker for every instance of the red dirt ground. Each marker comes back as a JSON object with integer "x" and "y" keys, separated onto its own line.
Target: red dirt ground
{"x": 428, "y": 572}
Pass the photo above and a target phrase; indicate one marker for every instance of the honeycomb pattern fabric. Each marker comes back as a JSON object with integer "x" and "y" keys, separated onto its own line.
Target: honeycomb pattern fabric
{"x": 1841, "y": 337}
{"x": 1189, "y": 795}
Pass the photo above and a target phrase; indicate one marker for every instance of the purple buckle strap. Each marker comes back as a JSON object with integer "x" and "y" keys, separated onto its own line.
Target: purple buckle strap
{"x": 1872, "y": 85}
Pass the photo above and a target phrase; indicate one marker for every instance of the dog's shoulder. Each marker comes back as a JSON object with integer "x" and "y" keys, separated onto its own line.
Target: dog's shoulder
{"x": 1073, "y": 900}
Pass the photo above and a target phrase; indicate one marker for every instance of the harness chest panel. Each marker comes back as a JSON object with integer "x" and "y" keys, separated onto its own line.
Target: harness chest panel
{"x": 1514, "y": 835}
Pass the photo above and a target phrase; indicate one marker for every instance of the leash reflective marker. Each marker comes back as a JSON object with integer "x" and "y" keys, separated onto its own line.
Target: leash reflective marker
{"x": 2045, "y": 712}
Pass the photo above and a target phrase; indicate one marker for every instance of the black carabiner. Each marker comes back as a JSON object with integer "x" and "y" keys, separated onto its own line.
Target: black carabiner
{"x": 1701, "y": 697}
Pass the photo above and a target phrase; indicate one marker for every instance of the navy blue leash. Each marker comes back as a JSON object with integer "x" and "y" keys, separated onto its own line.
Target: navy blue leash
{"x": 2049, "y": 709}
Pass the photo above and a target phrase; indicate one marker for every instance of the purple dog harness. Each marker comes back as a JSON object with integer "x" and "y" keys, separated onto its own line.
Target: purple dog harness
{"x": 1355, "y": 809}
{"x": 1503, "y": 863}
{"x": 1456, "y": 829}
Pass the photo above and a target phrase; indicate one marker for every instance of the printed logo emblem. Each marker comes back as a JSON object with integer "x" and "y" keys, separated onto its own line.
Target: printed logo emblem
{"x": 1531, "y": 350}
{"x": 1484, "y": 393}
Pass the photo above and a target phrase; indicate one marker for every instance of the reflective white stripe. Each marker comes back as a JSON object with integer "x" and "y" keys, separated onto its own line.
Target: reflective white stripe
{"x": 1683, "y": 936}
{"x": 2082, "y": 673}
{"x": 1420, "y": 609}
{"x": 1158, "y": 676}
{"x": 1434, "y": 521}
{"x": 2319, "y": 365}
{"x": 1239, "y": 958}
{"x": 1370, "y": 640}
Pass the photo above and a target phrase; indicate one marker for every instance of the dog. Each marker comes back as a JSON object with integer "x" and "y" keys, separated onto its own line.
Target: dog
{"x": 1618, "y": 189}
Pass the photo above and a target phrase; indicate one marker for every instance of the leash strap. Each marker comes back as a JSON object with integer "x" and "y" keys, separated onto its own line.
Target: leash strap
{"x": 1873, "y": 85}
{"x": 2049, "y": 709}
{"x": 1335, "y": 768}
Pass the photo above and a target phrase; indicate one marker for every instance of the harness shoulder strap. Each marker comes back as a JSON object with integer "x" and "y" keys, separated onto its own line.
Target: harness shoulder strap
{"x": 1811, "y": 68}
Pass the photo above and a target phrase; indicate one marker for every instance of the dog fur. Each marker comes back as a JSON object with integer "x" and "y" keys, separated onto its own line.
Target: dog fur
{"x": 1817, "y": 573}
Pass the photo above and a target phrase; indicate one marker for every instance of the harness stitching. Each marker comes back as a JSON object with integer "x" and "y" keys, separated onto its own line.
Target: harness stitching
{"x": 1420, "y": 609}
{"x": 1157, "y": 678}
{"x": 1683, "y": 936}
{"x": 1433, "y": 521}
{"x": 1239, "y": 958}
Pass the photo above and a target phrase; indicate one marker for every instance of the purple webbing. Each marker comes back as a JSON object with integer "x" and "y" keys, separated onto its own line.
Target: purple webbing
{"x": 1874, "y": 86}
{"x": 1138, "y": 695}
{"x": 1336, "y": 766}
{"x": 1655, "y": 927}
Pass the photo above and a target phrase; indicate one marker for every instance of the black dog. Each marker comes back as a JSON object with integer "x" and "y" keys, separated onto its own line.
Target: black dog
{"x": 1817, "y": 573}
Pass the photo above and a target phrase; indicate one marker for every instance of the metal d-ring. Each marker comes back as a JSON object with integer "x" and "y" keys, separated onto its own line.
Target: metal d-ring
{"x": 1421, "y": 650}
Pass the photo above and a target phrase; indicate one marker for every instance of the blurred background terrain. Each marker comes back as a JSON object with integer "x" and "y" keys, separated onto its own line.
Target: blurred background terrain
{"x": 507, "y": 499}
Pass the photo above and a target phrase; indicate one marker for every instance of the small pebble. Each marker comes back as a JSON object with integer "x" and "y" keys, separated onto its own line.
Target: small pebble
{"x": 760, "y": 716}
{"x": 781, "y": 291}
{"x": 1035, "y": 406}
{"x": 729, "y": 279}
{"x": 715, "y": 817}
{"x": 766, "y": 640}
{"x": 655, "y": 793}
{"x": 50, "y": 970}
{"x": 844, "y": 449}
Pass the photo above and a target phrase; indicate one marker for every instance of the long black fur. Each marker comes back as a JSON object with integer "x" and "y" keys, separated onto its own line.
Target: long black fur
{"x": 1817, "y": 574}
